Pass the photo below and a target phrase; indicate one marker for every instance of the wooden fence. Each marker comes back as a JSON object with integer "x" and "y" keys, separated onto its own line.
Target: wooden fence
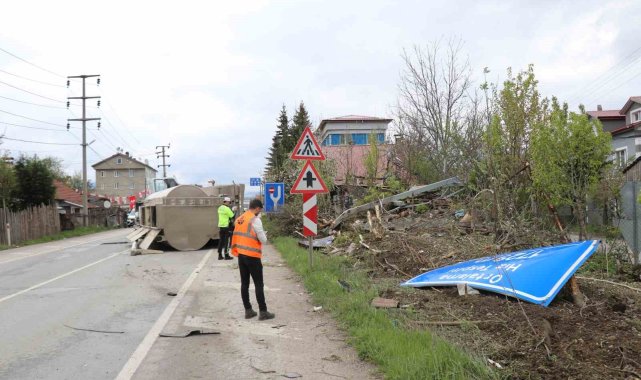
{"x": 32, "y": 223}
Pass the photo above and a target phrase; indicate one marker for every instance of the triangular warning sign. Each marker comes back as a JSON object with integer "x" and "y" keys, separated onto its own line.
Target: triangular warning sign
{"x": 309, "y": 182}
{"x": 307, "y": 147}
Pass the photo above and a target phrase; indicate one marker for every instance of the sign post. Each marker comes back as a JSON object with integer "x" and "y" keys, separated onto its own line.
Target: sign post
{"x": 309, "y": 183}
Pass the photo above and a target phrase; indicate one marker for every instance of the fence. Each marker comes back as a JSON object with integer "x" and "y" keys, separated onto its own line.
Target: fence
{"x": 32, "y": 223}
{"x": 630, "y": 222}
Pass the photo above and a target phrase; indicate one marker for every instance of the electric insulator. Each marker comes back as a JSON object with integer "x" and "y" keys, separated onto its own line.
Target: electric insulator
{"x": 68, "y": 103}
{"x": 68, "y": 83}
{"x": 68, "y": 126}
{"x": 98, "y": 103}
{"x": 98, "y": 125}
{"x": 98, "y": 81}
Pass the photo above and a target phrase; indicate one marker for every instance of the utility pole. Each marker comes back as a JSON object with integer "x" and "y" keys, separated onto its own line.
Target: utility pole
{"x": 84, "y": 119}
{"x": 163, "y": 155}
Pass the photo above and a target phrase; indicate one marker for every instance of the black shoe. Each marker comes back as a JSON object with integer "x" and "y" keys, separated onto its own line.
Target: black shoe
{"x": 220, "y": 257}
{"x": 250, "y": 313}
{"x": 266, "y": 315}
{"x": 227, "y": 257}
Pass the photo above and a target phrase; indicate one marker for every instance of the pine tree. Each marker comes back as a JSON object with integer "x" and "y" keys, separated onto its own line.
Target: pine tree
{"x": 278, "y": 152}
{"x": 299, "y": 122}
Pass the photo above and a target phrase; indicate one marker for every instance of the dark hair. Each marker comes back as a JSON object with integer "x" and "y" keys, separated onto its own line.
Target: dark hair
{"x": 255, "y": 203}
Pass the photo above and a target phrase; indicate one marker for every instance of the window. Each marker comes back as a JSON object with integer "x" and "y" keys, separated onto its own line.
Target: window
{"x": 102, "y": 186}
{"x": 621, "y": 157}
{"x": 131, "y": 186}
{"x": 119, "y": 160}
{"x": 380, "y": 137}
{"x": 103, "y": 173}
{"x": 116, "y": 174}
{"x": 326, "y": 141}
{"x": 116, "y": 185}
{"x": 636, "y": 116}
{"x": 336, "y": 139}
{"x": 359, "y": 138}
{"x": 131, "y": 172}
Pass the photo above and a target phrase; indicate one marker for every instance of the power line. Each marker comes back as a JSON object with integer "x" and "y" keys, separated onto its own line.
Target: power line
{"x": 34, "y": 142}
{"x": 32, "y": 93}
{"x": 31, "y": 127}
{"x": 32, "y": 64}
{"x": 32, "y": 80}
{"x": 29, "y": 118}
{"x": 35, "y": 104}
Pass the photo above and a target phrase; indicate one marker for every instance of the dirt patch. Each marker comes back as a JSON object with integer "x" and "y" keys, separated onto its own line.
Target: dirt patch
{"x": 599, "y": 341}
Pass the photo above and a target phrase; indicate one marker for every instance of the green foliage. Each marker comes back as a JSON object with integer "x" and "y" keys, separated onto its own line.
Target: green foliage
{"x": 34, "y": 182}
{"x": 518, "y": 110}
{"x": 280, "y": 148}
{"x": 422, "y": 209}
{"x": 391, "y": 186}
{"x": 371, "y": 160}
{"x": 399, "y": 351}
{"x": 299, "y": 122}
{"x": 569, "y": 157}
{"x": 7, "y": 181}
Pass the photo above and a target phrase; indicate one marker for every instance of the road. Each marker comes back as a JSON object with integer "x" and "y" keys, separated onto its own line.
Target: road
{"x": 49, "y": 292}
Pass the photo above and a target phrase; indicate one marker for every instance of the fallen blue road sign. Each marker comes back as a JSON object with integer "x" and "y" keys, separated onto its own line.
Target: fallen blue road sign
{"x": 534, "y": 275}
{"x": 254, "y": 181}
{"x": 274, "y": 196}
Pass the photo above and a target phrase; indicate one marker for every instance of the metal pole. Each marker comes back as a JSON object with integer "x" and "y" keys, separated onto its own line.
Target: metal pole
{"x": 635, "y": 221}
{"x": 311, "y": 252}
{"x": 85, "y": 211}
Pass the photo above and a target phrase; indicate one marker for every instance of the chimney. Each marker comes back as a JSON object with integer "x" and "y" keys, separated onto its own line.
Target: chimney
{"x": 127, "y": 153}
{"x": 599, "y": 108}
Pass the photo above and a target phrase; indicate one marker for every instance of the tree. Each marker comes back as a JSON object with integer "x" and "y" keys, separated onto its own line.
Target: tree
{"x": 34, "y": 182}
{"x": 55, "y": 167}
{"x": 437, "y": 113}
{"x": 7, "y": 182}
{"x": 371, "y": 160}
{"x": 299, "y": 123}
{"x": 569, "y": 158}
{"x": 517, "y": 110}
{"x": 278, "y": 152}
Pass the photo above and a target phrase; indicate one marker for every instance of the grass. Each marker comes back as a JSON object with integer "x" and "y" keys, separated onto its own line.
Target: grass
{"x": 378, "y": 335}
{"x": 80, "y": 231}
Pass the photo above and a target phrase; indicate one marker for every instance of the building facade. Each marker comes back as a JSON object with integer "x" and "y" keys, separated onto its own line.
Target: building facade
{"x": 625, "y": 129}
{"x": 122, "y": 176}
{"x": 347, "y": 142}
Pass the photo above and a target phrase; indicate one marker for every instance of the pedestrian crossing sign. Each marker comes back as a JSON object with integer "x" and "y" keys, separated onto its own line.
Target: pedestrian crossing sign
{"x": 307, "y": 147}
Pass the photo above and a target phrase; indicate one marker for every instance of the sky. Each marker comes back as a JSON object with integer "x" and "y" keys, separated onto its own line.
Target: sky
{"x": 210, "y": 77}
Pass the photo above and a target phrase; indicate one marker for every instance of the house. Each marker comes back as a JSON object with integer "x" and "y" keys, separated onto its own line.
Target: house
{"x": 347, "y": 141}
{"x": 69, "y": 204}
{"x": 121, "y": 175}
{"x": 625, "y": 127}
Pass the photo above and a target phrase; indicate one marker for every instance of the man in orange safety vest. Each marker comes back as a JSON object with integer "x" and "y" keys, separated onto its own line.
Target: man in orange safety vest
{"x": 246, "y": 244}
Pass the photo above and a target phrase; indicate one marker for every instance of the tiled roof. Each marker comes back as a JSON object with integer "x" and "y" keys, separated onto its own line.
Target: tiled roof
{"x": 606, "y": 114}
{"x": 629, "y": 103}
{"x": 626, "y": 128}
{"x": 123, "y": 156}
{"x": 65, "y": 193}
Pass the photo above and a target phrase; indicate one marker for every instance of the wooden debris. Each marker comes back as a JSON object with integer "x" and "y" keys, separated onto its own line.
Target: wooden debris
{"x": 384, "y": 303}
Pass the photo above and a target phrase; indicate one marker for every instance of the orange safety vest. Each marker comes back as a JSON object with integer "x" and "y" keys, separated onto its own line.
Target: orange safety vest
{"x": 244, "y": 240}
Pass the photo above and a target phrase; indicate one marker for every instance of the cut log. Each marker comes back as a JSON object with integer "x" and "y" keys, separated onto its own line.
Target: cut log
{"x": 384, "y": 303}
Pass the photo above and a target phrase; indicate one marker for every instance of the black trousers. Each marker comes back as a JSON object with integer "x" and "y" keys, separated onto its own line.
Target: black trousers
{"x": 251, "y": 267}
{"x": 223, "y": 240}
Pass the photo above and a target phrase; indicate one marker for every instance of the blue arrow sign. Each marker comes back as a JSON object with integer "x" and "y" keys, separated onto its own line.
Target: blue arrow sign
{"x": 274, "y": 196}
{"x": 254, "y": 181}
{"x": 534, "y": 275}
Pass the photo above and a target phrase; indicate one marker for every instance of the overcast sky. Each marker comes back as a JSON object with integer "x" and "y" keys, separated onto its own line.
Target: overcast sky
{"x": 211, "y": 76}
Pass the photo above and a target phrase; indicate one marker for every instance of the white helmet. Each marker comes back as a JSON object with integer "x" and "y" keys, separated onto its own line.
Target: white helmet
{"x": 226, "y": 199}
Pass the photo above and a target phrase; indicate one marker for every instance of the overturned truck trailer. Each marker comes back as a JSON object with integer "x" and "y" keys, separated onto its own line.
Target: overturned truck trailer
{"x": 184, "y": 217}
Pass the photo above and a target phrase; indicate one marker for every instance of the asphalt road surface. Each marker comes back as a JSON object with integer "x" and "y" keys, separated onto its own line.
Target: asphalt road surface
{"x": 52, "y": 294}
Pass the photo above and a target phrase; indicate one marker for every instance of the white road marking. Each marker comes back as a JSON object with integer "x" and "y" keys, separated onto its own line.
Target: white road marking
{"x": 59, "y": 277}
{"x": 57, "y": 248}
{"x": 141, "y": 352}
